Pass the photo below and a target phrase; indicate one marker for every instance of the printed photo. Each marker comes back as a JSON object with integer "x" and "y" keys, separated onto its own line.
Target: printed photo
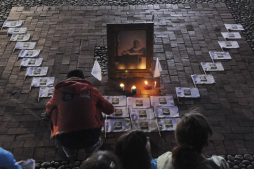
{"x": 118, "y": 125}
{"x": 234, "y": 27}
{"x": 165, "y": 111}
{"x": 203, "y": 78}
{"x": 43, "y": 82}
{"x": 162, "y": 100}
{"x": 50, "y": 92}
{"x": 16, "y": 30}
{"x": 20, "y": 37}
{"x": 143, "y": 125}
{"x": 228, "y": 44}
{"x": 13, "y": 23}
{"x": 168, "y": 123}
{"x": 31, "y": 62}
{"x": 29, "y": 53}
{"x": 231, "y": 35}
{"x": 139, "y": 103}
{"x": 142, "y": 113}
{"x": 115, "y": 100}
{"x": 213, "y": 66}
{"x": 37, "y": 71}
{"x": 187, "y": 92}
{"x": 219, "y": 55}
{"x": 118, "y": 112}
{"x": 26, "y": 45}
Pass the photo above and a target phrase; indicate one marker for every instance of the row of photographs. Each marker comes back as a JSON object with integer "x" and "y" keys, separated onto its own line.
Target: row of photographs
{"x": 123, "y": 125}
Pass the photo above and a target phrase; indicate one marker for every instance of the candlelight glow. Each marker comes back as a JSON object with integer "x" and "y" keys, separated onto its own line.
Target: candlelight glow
{"x": 146, "y": 82}
{"x": 121, "y": 85}
{"x": 133, "y": 87}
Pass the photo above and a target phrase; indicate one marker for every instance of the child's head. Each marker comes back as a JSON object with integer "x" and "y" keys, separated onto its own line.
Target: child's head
{"x": 101, "y": 160}
{"x": 192, "y": 134}
{"x": 132, "y": 150}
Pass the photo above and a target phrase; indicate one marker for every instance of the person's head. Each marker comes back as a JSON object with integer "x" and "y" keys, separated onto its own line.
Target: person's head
{"x": 76, "y": 73}
{"x": 132, "y": 152}
{"x": 101, "y": 160}
{"x": 136, "y": 44}
{"x": 192, "y": 134}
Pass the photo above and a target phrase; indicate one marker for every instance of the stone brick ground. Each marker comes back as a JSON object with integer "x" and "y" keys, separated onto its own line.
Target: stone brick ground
{"x": 184, "y": 34}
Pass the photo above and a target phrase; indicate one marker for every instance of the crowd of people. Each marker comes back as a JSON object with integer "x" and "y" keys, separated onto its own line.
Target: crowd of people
{"x": 76, "y": 120}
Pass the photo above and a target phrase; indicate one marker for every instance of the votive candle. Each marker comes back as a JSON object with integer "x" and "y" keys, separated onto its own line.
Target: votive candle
{"x": 133, "y": 90}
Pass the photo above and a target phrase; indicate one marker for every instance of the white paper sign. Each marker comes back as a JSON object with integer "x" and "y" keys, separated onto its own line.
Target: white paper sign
{"x": 29, "y": 53}
{"x": 168, "y": 124}
{"x": 120, "y": 112}
{"x": 31, "y": 62}
{"x": 219, "y": 55}
{"x": 231, "y": 35}
{"x": 234, "y": 27}
{"x": 46, "y": 92}
{"x": 210, "y": 66}
{"x": 203, "y": 79}
{"x": 167, "y": 111}
{"x": 17, "y": 30}
{"x": 117, "y": 125}
{"x": 162, "y": 101}
{"x": 20, "y": 37}
{"x": 228, "y": 44}
{"x": 36, "y": 71}
{"x": 25, "y": 45}
{"x": 12, "y": 24}
{"x": 137, "y": 114}
{"x": 134, "y": 102}
{"x": 43, "y": 81}
{"x": 116, "y": 100}
{"x": 145, "y": 125}
{"x": 187, "y": 92}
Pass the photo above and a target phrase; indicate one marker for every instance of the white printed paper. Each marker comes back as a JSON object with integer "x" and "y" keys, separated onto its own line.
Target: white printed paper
{"x": 25, "y": 45}
{"x": 145, "y": 125}
{"x": 117, "y": 125}
{"x": 228, "y": 44}
{"x": 119, "y": 112}
{"x": 231, "y": 35}
{"x": 36, "y": 71}
{"x": 137, "y": 114}
{"x": 162, "y": 101}
{"x": 187, "y": 92}
{"x": 46, "y": 92}
{"x": 31, "y": 62}
{"x": 134, "y": 102}
{"x": 43, "y": 81}
{"x": 166, "y": 111}
{"x": 203, "y": 79}
{"x": 219, "y": 55}
{"x": 210, "y": 66}
{"x": 116, "y": 100}
{"x": 96, "y": 70}
{"x": 168, "y": 124}
{"x": 158, "y": 68}
{"x": 29, "y": 53}
{"x": 12, "y": 24}
{"x": 20, "y": 37}
{"x": 234, "y": 27}
{"x": 17, "y": 30}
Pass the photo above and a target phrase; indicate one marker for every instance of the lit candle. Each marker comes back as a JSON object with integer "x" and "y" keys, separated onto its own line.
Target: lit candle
{"x": 122, "y": 87}
{"x": 133, "y": 90}
{"x": 155, "y": 84}
{"x": 146, "y": 86}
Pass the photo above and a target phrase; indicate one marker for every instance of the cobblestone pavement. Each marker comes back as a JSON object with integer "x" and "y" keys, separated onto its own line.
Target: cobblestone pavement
{"x": 184, "y": 34}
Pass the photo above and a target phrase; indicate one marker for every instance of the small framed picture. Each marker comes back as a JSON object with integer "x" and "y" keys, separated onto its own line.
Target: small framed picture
{"x": 142, "y": 113}
{"x": 168, "y": 123}
{"x": 162, "y": 100}
{"x": 228, "y": 44}
{"x": 220, "y": 55}
{"x": 203, "y": 78}
{"x": 165, "y": 111}
{"x": 187, "y": 92}
{"x": 118, "y": 112}
{"x": 50, "y": 92}
{"x": 37, "y": 71}
{"x": 143, "y": 125}
{"x": 118, "y": 125}
{"x": 31, "y": 62}
{"x": 139, "y": 103}
{"x": 43, "y": 81}
{"x": 115, "y": 100}
{"x": 213, "y": 66}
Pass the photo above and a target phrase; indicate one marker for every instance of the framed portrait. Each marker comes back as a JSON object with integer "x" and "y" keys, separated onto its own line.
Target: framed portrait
{"x": 130, "y": 49}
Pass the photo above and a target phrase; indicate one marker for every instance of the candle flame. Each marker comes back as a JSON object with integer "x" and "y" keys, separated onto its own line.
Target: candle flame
{"x": 133, "y": 87}
{"x": 146, "y": 82}
{"x": 121, "y": 85}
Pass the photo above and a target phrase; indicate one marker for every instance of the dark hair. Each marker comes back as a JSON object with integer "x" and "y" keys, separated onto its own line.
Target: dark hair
{"x": 101, "y": 160}
{"x": 192, "y": 134}
{"x": 76, "y": 73}
{"x": 132, "y": 152}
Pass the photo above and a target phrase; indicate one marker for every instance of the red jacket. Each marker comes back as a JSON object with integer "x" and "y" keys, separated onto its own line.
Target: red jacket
{"x": 76, "y": 105}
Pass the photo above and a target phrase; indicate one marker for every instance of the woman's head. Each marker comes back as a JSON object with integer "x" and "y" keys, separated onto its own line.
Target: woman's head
{"x": 192, "y": 134}
{"x": 101, "y": 160}
{"x": 132, "y": 152}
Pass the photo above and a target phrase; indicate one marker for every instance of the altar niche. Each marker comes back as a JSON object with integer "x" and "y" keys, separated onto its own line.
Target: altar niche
{"x": 130, "y": 49}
